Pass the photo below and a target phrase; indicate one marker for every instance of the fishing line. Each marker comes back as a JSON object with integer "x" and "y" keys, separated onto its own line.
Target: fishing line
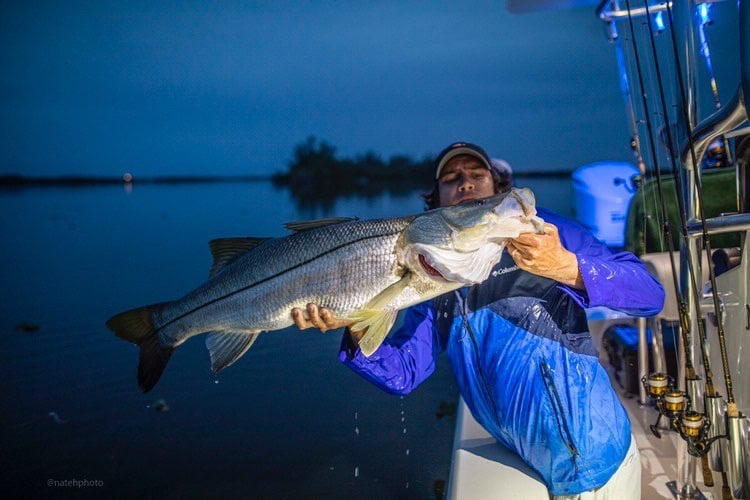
{"x": 705, "y": 51}
{"x": 625, "y": 89}
{"x": 704, "y": 20}
{"x": 707, "y": 475}
{"x": 662, "y": 205}
{"x": 731, "y": 406}
{"x": 682, "y": 211}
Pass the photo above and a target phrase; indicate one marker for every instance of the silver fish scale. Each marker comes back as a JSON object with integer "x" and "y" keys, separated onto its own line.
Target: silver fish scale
{"x": 340, "y": 266}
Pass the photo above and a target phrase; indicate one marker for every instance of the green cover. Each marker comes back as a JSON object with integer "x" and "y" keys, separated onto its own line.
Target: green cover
{"x": 644, "y": 228}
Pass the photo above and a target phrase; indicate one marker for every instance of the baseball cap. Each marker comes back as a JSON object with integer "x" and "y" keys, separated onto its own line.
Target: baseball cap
{"x": 461, "y": 148}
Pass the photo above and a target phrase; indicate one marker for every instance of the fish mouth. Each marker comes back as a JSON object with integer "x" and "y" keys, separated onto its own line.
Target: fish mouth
{"x": 430, "y": 270}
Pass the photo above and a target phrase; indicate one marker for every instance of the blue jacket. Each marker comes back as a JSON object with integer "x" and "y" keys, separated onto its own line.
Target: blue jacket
{"x": 524, "y": 361}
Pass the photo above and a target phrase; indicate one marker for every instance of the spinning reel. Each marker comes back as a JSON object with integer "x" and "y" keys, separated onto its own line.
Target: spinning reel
{"x": 674, "y": 405}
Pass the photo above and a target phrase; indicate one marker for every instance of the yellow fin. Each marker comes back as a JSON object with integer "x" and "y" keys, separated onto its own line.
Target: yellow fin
{"x": 134, "y": 326}
{"x": 378, "y": 323}
{"x": 377, "y": 316}
{"x": 387, "y": 295}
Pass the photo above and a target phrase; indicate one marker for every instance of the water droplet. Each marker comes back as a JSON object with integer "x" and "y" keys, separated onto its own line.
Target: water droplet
{"x": 407, "y": 451}
{"x": 216, "y": 381}
{"x": 356, "y": 471}
{"x": 404, "y": 430}
{"x": 356, "y": 431}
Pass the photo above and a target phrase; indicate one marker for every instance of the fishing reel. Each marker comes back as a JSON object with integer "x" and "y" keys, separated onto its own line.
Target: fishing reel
{"x": 674, "y": 405}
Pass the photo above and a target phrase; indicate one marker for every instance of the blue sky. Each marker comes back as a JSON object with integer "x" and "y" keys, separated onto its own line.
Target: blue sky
{"x": 171, "y": 88}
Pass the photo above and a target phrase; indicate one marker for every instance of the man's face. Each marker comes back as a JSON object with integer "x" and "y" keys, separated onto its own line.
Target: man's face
{"x": 464, "y": 178}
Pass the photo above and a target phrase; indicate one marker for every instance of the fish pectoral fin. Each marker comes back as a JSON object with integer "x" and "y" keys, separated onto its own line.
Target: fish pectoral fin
{"x": 377, "y": 316}
{"x": 227, "y": 250}
{"x": 298, "y": 226}
{"x": 225, "y": 348}
{"x": 378, "y": 323}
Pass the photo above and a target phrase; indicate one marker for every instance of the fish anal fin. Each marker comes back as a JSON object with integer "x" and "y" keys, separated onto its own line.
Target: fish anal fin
{"x": 227, "y": 250}
{"x": 298, "y": 226}
{"x": 225, "y": 347}
{"x": 378, "y": 323}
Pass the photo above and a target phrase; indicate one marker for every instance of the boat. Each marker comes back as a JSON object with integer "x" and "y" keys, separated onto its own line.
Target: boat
{"x": 683, "y": 206}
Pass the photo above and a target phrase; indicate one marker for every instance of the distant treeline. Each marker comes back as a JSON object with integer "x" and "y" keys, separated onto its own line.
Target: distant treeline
{"x": 317, "y": 173}
{"x": 19, "y": 181}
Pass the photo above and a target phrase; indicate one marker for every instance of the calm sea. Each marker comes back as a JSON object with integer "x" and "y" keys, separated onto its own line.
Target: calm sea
{"x": 286, "y": 421}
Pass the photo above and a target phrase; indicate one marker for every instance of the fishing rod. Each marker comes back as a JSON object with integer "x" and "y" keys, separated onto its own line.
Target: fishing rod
{"x": 685, "y": 326}
{"x": 731, "y": 406}
{"x": 725, "y": 121}
{"x": 693, "y": 427}
{"x": 670, "y": 402}
{"x": 655, "y": 160}
{"x": 635, "y": 141}
{"x": 703, "y": 21}
{"x": 703, "y": 13}
{"x": 691, "y": 424}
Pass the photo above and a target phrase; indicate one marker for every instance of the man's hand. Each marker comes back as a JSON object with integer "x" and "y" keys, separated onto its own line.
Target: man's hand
{"x": 317, "y": 317}
{"x": 544, "y": 255}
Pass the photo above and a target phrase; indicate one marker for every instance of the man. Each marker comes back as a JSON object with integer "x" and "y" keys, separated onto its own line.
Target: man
{"x": 519, "y": 344}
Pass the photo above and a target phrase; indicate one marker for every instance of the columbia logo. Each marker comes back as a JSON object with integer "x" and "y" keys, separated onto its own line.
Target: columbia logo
{"x": 498, "y": 272}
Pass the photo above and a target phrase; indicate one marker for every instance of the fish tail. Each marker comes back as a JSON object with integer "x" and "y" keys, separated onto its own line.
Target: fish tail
{"x": 136, "y": 326}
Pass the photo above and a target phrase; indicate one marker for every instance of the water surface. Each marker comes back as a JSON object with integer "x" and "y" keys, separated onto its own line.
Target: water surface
{"x": 285, "y": 421}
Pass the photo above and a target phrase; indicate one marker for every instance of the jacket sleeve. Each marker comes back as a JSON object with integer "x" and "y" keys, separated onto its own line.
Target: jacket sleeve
{"x": 406, "y": 357}
{"x": 616, "y": 280}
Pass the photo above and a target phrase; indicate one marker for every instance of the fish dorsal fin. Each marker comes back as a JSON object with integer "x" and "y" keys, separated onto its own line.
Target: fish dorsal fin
{"x": 299, "y": 226}
{"x": 227, "y": 250}
{"x": 225, "y": 348}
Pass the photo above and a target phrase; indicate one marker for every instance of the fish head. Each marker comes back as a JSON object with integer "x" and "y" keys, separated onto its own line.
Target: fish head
{"x": 462, "y": 243}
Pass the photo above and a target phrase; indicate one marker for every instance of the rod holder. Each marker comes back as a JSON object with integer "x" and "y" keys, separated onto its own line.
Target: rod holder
{"x": 739, "y": 456}
{"x": 716, "y": 414}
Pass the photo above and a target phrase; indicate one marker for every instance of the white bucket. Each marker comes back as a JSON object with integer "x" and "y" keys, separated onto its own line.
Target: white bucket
{"x": 602, "y": 194}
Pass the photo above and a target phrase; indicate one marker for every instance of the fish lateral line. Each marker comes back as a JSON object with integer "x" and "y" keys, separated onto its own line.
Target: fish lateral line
{"x": 270, "y": 278}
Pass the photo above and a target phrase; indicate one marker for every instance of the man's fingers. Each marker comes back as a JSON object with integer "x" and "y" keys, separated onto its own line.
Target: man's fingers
{"x": 319, "y": 317}
{"x": 325, "y": 316}
{"x": 313, "y": 316}
{"x": 299, "y": 319}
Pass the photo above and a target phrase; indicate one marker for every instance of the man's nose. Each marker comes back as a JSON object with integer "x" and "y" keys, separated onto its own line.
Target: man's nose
{"x": 466, "y": 184}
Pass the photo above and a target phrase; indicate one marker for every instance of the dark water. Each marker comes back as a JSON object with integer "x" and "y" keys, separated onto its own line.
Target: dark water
{"x": 286, "y": 421}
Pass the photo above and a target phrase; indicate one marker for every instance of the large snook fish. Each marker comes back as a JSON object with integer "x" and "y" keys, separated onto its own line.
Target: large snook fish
{"x": 362, "y": 270}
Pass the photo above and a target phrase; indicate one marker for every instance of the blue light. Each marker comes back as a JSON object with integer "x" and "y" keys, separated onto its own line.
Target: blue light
{"x": 703, "y": 11}
{"x": 659, "y": 22}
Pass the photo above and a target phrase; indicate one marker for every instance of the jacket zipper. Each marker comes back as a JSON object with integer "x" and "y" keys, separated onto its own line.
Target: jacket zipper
{"x": 480, "y": 370}
{"x": 557, "y": 407}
